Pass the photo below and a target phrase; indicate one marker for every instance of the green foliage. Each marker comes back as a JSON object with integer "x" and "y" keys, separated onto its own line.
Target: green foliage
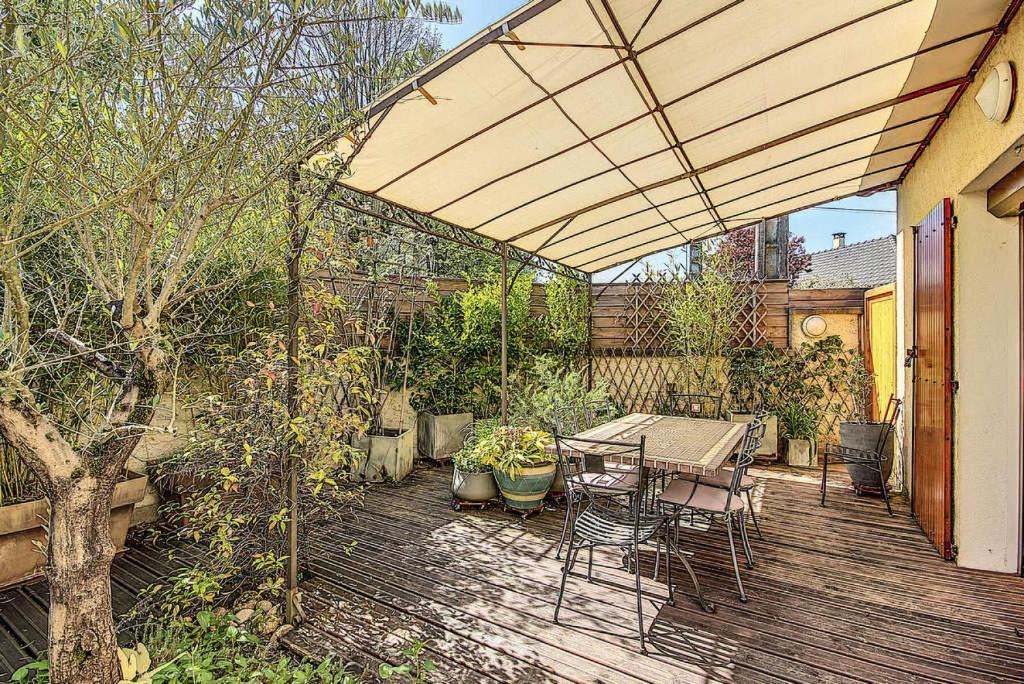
{"x": 212, "y": 648}
{"x": 230, "y": 472}
{"x": 569, "y": 305}
{"x": 415, "y": 669}
{"x": 540, "y": 389}
{"x": 701, "y": 316}
{"x": 469, "y": 459}
{"x": 509, "y": 449}
{"x": 797, "y": 421}
{"x": 455, "y": 353}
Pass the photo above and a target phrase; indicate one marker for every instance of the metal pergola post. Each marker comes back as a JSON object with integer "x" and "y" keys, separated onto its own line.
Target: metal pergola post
{"x": 295, "y": 245}
{"x": 504, "y": 333}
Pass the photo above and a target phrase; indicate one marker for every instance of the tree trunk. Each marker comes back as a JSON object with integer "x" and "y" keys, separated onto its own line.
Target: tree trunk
{"x": 83, "y": 641}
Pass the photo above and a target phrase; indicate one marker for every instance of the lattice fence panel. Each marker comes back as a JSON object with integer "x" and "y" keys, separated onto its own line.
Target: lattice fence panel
{"x": 641, "y": 372}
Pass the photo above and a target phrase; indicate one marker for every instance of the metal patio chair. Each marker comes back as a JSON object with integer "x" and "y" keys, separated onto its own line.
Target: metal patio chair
{"x": 609, "y": 479}
{"x": 723, "y": 480}
{"x": 617, "y": 522}
{"x": 716, "y": 503}
{"x": 689, "y": 405}
{"x": 872, "y": 459}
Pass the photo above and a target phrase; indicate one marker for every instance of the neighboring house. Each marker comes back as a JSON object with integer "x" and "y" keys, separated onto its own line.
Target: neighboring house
{"x": 862, "y": 264}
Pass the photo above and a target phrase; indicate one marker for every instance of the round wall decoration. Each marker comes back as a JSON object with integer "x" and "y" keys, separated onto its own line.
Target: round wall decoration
{"x": 814, "y": 326}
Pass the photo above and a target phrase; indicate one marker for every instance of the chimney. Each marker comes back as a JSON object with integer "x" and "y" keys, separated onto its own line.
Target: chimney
{"x": 838, "y": 240}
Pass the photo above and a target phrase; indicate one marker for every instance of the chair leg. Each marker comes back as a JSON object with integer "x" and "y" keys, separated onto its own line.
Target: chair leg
{"x": 746, "y": 540}
{"x": 735, "y": 563}
{"x": 565, "y": 525}
{"x": 639, "y": 599}
{"x": 590, "y": 565}
{"x": 570, "y": 558}
{"x": 753, "y": 516}
{"x": 885, "y": 491}
{"x": 824, "y": 478}
{"x": 668, "y": 573}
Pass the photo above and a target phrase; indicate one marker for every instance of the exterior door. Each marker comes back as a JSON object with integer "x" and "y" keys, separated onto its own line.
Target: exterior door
{"x": 933, "y": 377}
{"x": 880, "y": 345}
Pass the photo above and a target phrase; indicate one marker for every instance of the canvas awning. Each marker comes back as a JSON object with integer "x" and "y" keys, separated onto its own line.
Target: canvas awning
{"x": 594, "y": 132}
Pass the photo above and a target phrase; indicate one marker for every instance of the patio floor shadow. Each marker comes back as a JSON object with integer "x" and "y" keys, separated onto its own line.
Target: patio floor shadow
{"x": 843, "y": 593}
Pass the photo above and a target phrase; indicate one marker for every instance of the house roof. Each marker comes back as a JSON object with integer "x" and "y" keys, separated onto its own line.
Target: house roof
{"x": 861, "y": 264}
{"x": 595, "y": 132}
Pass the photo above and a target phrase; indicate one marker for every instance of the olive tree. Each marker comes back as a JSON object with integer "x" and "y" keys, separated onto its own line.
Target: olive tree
{"x": 140, "y": 140}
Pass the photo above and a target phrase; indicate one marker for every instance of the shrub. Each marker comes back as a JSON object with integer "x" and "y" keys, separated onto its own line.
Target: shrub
{"x": 540, "y": 389}
{"x": 510, "y": 449}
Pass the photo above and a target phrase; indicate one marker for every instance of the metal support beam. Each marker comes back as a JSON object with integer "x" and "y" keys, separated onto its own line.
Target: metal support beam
{"x": 296, "y": 238}
{"x": 504, "y": 333}
{"x": 590, "y": 332}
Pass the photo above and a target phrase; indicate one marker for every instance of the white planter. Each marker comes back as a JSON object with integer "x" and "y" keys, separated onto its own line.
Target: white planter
{"x": 438, "y": 437}
{"x": 801, "y": 453}
{"x": 770, "y": 444}
{"x": 385, "y": 457}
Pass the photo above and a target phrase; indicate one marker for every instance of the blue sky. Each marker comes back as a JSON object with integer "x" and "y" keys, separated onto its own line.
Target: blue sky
{"x": 816, "y": 225}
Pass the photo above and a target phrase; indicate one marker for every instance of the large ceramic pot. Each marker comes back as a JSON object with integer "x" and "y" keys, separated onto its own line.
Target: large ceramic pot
{"x": 438, "y": 437}
{"x": 23, "y": 530}
{"x": 527, "y": 491}
{"x": 474, "y": 487}
{"x": 866, "y": 436}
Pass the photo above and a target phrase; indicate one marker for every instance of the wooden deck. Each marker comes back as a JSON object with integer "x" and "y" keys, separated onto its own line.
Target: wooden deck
{"x": 23, "y": 609}
{"x": 843, "y": 593}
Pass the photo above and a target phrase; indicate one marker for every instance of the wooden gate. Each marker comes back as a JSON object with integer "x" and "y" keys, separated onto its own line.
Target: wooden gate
{"x": 933, "y": 374}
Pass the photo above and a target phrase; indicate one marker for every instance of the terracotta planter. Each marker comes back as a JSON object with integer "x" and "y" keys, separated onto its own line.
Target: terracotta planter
{"x": 438, "y": 437}
{"x": 527, "y": 491}
{"x": 23, "y": 536}
{"x": 387, "y": 456}
{"x": 474, "y": 487}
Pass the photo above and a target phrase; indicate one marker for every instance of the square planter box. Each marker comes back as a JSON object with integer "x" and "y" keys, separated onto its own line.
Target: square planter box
{"x": 438, "y": 437}
{"x": 801, "y": 453}
{"x": 387, "y": 456}
{"x": 22, "y": 530}
{"x": 770, "y": 444}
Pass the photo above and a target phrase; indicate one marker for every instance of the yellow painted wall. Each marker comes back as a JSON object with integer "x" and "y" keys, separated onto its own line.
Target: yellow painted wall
{"x": 846, "y": 325}
{"x": 960, "y": 164}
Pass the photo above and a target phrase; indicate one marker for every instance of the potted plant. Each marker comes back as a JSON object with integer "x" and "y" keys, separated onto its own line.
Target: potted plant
{"x": 751, "y": 371}
{"x": 523, "y": 466}
{"x": 25, "y": 515}
{"x": 472, "y": 479}
{"x": 799, "y": 425}
{"x": 859, "y": 432}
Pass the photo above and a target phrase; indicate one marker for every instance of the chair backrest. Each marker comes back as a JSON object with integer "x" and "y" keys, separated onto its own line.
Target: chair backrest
{"x": 695, "y": 405}
{"x": 568, "y": 419}
{"x": 575, "y": 453}
{"x": 748, "y": 448}
{"x": 598, "y": 411}
{"x": 889, "y": 420}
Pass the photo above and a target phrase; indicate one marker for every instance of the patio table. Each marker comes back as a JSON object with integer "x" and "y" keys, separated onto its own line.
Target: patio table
{"x": 684, "y": 445}
{"x": 673, "y": 443}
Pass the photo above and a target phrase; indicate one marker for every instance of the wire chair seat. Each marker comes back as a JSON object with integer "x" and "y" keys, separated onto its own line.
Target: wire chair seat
{"x": 601, "y": 527}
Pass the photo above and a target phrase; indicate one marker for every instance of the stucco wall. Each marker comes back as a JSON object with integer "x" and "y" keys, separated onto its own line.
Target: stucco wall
{"x": 986, "y": 292}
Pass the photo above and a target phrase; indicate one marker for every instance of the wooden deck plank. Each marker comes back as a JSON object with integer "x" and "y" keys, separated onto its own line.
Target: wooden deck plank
{"x": 839, "y": 593}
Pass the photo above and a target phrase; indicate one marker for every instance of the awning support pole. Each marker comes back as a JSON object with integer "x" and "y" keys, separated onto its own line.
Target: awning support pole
{"x": 590, "y": 332}
{"x": 295, "y": 244}
{"x": 504, "y": 333}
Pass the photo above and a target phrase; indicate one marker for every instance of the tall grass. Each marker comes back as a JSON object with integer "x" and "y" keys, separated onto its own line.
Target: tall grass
{"x": 17, "y": 482}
